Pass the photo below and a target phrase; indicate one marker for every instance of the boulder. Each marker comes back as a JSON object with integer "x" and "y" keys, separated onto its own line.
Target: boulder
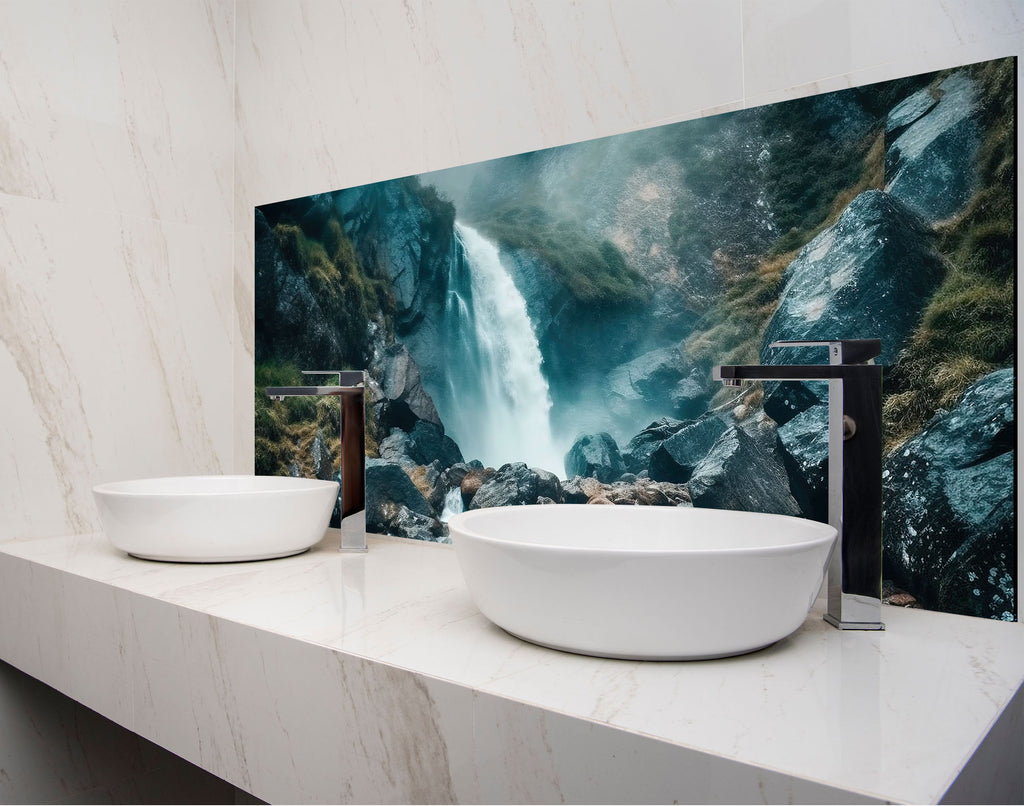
{"x": 580, "y": 489}
{"x": 471, "y": 482}
{"x": 907, "y": 111}
{"x": 548, "y": 485}
{"x": 647, "y": 380}
{"x": 948, "y": 494}
{"x": 388, "y": 488}
{"x": 512, "y": 484}
{"x": 637, "y": 454}
{"x": 404, "y": 400}
{"x": 430, "y": 443}
{"x": 426, "y": 442}
{"x": 691, "y": 395}
{"x": 397, "y": 448}
{"x": 867, "y": 276}
{"x": 400, "y": 521}
{"x": 595, "y": 455}
{"x": 738, "y": 473}
{"x": 804, "y": 441}
{"x": 677, "y": 457}
{"x": 933, "y": 141}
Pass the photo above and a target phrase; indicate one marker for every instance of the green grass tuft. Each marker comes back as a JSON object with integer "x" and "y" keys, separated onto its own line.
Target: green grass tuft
{"x": 967, "y": 328}
{"x": 285, "y": 429}
{"x": 348, "y": 296}
{"x": 594, "y": 272}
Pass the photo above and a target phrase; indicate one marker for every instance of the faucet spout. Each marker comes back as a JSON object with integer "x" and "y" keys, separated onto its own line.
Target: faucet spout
{"x": 350, "y": 388}
{"x": 854, "y": 469}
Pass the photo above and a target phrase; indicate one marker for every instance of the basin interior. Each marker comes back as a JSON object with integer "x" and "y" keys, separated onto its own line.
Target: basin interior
{"x": 640, "y": 529}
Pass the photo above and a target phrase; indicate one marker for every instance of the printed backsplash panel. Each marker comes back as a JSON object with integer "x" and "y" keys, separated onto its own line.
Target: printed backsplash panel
{"x": 541, "y": 328}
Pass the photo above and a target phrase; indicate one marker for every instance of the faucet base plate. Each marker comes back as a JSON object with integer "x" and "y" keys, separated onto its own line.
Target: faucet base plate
{"x": 854, "y": 625}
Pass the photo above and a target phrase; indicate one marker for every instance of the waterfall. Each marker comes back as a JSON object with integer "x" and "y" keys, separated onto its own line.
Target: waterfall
{"x": 497, "y": 404}
{"x": 452, "y": 504}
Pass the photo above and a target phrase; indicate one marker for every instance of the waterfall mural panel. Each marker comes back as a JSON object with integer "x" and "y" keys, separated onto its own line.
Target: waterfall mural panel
{"x": 540, "y": 328}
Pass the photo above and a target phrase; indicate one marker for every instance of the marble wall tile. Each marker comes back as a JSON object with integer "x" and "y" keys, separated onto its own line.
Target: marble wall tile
{"x": 503, "y": 78}
{"x": 116, "y": 338}
{"x": 804, "y": 41}
{"x": 120, "y": 106}
{"x": 243, "y": 346}
{"x": 401, "y": 88}
{"x": 900, "y": 65}
{"x": 326, "y": 92}
{"x": 116, "y": 311}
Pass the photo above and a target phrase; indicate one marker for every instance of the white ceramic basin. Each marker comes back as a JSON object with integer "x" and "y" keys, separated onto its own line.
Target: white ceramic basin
{"x": 210, "y": 519}
{"x": 648, "y": 583}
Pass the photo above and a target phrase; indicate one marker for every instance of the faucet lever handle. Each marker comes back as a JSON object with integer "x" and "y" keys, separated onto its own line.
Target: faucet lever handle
{"x": 840, "y": 351}
{"x": 345, "y": 377}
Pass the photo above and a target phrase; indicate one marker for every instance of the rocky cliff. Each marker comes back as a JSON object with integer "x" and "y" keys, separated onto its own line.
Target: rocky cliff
{"x": 949, "y": 504}
{"x": 867, "y": 276}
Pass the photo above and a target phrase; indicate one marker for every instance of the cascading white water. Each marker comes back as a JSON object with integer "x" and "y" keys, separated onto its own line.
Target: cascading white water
{"x": 452, "y": 504}
{"x": 497, "y": 406}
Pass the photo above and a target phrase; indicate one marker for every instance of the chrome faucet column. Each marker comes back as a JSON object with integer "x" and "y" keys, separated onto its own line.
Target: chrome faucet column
{"x": 854, "y": 470}
{"x": 350, "y": 388}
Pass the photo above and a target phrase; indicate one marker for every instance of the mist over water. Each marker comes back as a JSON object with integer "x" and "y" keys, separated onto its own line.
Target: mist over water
{"x": 497, "y": 406}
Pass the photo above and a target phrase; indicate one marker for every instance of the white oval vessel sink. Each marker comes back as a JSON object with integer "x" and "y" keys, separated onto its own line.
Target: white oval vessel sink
{"x": 211, "y": 519}
{"x": 645, "y": 583}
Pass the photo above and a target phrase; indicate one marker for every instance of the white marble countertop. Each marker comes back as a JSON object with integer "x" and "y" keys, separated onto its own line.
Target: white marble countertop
{"x": 249, "y": 669}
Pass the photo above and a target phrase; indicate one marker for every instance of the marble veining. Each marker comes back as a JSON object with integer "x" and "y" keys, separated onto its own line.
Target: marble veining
{"x": 116, "y": 192}
{"x": 236, "y": 666}
{"x": 47, "y": 377}
{"x": 94, "y": 116}
{"x": 113, "y": 374}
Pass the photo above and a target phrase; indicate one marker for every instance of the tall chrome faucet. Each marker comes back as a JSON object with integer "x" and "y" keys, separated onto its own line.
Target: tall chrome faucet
{"x": 350, "y": 388}
{"x": 854, "y": 469}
